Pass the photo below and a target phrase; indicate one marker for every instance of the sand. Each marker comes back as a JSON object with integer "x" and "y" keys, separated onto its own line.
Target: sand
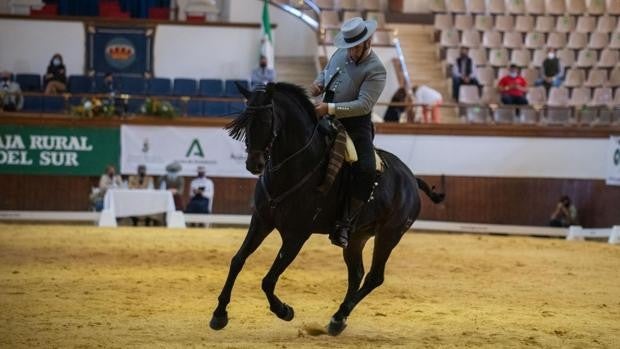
{"x": 76, "y": 286}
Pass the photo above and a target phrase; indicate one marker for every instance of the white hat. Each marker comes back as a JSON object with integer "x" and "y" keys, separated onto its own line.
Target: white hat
{"x": 354, "y": 31}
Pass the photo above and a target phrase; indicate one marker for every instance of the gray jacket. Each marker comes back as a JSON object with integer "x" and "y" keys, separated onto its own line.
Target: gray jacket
{"x": 11, "y": 93}
{"x": 358, "y": 87}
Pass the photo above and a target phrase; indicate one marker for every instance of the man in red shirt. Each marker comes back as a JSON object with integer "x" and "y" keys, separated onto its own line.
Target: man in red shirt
{"x": 513, "y": 87}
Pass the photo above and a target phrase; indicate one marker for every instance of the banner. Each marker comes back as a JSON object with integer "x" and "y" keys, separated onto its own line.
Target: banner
{"x": 156, "y": 147}
{"x": 613, "y": 161}
{"x": 126, "y": 51}
{"x": 58, "y": 150}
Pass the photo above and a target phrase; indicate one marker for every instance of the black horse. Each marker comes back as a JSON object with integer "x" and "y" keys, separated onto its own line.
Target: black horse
{"x": 285, "y": 146}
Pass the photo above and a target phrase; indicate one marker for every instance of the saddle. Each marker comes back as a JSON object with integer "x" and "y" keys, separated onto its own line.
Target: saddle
{"x": 342, "y": 150}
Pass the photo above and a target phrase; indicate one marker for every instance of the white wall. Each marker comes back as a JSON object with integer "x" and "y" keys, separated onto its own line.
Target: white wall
{"x": 27, "y": 46}
{"x": 292, "y": 38}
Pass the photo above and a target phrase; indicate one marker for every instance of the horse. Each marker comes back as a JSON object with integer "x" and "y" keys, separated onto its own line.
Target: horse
{"x": 286, "y": 148}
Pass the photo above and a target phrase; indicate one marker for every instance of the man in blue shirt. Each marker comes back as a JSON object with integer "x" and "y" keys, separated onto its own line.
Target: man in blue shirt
{"x": 263, "y": 74}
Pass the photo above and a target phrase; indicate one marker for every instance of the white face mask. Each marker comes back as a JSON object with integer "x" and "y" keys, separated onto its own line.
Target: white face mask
{"x": 551, "y": 55}
{"x": 514, "y": 74}
{"x": 56, "y": 61}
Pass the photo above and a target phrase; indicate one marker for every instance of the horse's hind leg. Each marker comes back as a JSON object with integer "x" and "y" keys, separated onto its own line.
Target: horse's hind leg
{"x": 256, "y": 234}
{"x": 291, "y": 244}
{"x": 384, "y": 243}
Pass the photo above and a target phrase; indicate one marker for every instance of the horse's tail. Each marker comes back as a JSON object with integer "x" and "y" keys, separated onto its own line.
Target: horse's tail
{"x": 430, "y": 191}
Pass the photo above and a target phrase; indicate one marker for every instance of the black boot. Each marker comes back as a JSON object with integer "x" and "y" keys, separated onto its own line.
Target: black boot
{"x": 344, "y": 227}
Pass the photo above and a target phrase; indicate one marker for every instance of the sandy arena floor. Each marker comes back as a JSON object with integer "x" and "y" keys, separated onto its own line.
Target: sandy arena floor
{"x": 74, "y": 286}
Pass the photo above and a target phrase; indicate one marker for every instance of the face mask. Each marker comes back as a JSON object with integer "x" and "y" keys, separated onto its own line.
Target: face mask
{"x": 263, "y": 65}
{"x": 551, "y": 55}
{"x": 56, "y": 61}
{"x": 514, "y": 74}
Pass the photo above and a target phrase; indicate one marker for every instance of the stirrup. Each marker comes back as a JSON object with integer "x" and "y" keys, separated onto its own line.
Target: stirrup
{"x": 340, "y": 235}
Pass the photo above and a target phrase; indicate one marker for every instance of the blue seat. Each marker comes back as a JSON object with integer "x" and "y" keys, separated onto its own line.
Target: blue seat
{"x": 194, "y": 108}
{"x": 184, "y": 87}
{"x": 80, "y": 84}
{"x": 236, "y": 107}
{"x": 159, "y": 87}
{"x": 134, "y": 105}
{"x": 231, "y": 88}
{"x": 216, "y": 108}
{"x": 75, "y": 101}
{"x": 33, "y": 104}
{"x": 131, "y": 85}
{"x": 100, "y": 87}
{"x": 211, "y": 87}
{"x": 53, "y": 104}
{"x": 29, "y": 82}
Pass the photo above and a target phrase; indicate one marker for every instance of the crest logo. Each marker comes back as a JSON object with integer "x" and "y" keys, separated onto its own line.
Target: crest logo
{"x": 120, "y": 53}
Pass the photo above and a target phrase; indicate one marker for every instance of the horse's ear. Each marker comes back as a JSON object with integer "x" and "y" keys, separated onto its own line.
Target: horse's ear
{"x": 270, "y": 88}
{"x": 244, "y": 91}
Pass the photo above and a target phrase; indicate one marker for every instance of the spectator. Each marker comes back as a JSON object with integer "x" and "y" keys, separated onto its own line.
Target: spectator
{"x": 108, "y": 180}
{"x": 11, "y": 98}
{"x": 392, "y": 114}
{"x": 463, "y": 73}
{"x": 263, "y": 74}
{"x": 565, "y": 214}
{"x": 552, "y": 71}
{"x": 141, "y": 181}
{"x": 202, "y": 193}
{"x": 513, "y": 87}
{"x": 431, "y": 101}
{"x": 174, "y": 183}
{"x": 56, "y": 76}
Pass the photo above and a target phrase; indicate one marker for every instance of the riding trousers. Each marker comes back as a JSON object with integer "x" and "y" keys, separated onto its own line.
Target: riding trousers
{"x": 360, "y": 130}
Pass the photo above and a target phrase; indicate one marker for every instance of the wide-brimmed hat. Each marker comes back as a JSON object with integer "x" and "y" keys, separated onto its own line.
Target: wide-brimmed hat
{"x": 173, "y": 167}
{"x": 354, "y": 31}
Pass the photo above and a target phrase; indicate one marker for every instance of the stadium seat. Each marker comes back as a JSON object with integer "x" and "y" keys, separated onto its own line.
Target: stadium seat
{"x": 596, "y": 78}
{"x": 576, "y": 7}
{"x": 595, "y": 7}
{"x": 535, "y": 7}
{"x": 469, "y": 94}
{"x": 524, "y": 24}
{"x": 504, "y": 23}
{"x": 211, "y": 87}
{"x": 478, "y": 56}
{"x": 29, "y": 82}
{"x": 379, "y": 17}
{"x": 486, "y": 76}
{"x": 534, "y": 40}
{"x": 615, "y": 40}
{"x": 443, "y": 21}
{"x": 325, "y": 4}
{"x": 520, "y": 57}
{"x": 580, "y": 96}
{"x": 194, "y": 108}
{"x": 565, "y": 24}
{"x": 350, "y": 14}
{"x": 471, "y": 39}
{"x": 483, "y": 23}
{"x": 557, "y": 110}
{"x": 231, "y": 89}
{"x": 515, "y": 7}
{"x": 490, "y": 95}
{"x": 586, "y": 24}
{"x": 496, "y": 7}
{"x": 613, "y": 7}
{"x": 236, "y": 107}
{"x": 513, "y": 40}
{"x": 160, "y": 13}
{"x": 555, "y": 7}
{"x": 492, "y": 39}
{"x": 330, "y": 19}
{"x": 575, "y": 77}
{"x": 537, "y": 96}
{"x": 586, "y": 115}
{"x": 606, "y": 24}
{"x": 586, "y": 58}
{"x": 598, "y": 41}
{"x": 556, "y": 40}
{"x": 453, "y": 53}
{"x": 476, "y": 6}
{"x": 616, "y": 101}
{"x": 567, "y": 57}
{"x": 80, "y": 84}
{"x": 501, "y": 72}
{"x": 159, "y": 87}
{"x": 463, "y": 22}
{"x": 545, "y": 24}
{"x": 614, "y": 77}
{"x": 371, "y": 5}
{"x": 577, "y": 41}
{"x": 132, "y": 85}
{"x": 54, "y": 104}
{"x": 498, "y": 57}
{"x": 216, "y": 108}
{"x": 99, "y": 86}
{"x": 437, "y": 6}
{"x": 528, "y": 115}
{"x": 538, "y": 58}
{"x": 347, "y": 4}
{"x": 530, "y": 75}
{"x": 504, "y": 115}
{"x": 455, "y": 6}
{"x": 603, "y": 96}
{"x": 609, "y": 59}
{"x": 449, "y": 38}
{"x": 184, "y": 87}
{"x": 32, "y": 104}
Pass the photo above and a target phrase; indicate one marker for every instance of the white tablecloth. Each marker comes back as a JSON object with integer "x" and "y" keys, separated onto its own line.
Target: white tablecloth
{"x": 138, "y": 202}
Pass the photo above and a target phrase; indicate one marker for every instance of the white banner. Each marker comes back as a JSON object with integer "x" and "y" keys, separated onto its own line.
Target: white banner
{"x": 613, "y": 161}
{"x": 156, "y": 147}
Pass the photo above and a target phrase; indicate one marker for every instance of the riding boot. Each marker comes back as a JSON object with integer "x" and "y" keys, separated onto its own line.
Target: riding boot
{"x": 344, "y": 227}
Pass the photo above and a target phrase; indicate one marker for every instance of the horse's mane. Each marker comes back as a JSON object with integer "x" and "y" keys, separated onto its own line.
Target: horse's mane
{"x": 292, "y": 92}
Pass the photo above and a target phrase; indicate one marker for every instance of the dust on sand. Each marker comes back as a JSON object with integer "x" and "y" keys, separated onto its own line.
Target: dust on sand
{"x": 73, "y": 286}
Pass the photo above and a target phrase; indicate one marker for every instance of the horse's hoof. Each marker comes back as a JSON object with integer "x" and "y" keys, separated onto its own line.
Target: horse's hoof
{"x": 218, "y": 322}
{"x": 287, "y": 312}
{"x": 336, "y": 327}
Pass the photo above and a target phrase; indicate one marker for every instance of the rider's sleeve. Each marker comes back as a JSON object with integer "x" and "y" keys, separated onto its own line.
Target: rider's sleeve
{"x": 370, "y": 91}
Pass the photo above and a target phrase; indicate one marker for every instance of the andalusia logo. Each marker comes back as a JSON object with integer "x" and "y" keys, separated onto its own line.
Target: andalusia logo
{"x": 195, "y": 149}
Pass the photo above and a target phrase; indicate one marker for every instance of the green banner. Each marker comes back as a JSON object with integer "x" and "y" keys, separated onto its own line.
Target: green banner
{"x": 81, "y": 151}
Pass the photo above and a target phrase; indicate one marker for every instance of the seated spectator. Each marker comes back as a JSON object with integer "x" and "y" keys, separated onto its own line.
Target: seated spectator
{"x": 11, "y": 98}
{"x": 108, "y": 180}
{"x": 202, "y": 193}
{"x": 392, "y": 113}
{"x": 141, "y": 181}
{"x": 551, "y": 71}
{"x": 463, "y": 73}
{"x": 263, "y": 74}
{"x": 56, "y": 77}
{"x": 431, "y": 101}
{"x": 513, "y": 87}
{"x": 565, "y": 214}
{"x": 174, "y": 183}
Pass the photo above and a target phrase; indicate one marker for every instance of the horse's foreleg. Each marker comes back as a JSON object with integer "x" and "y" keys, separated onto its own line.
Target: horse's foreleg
{"x": 289, "y": 250}
{"x": 256, "y": 234}
{"x": 355, "y": 264}
{"x": 374, "y": 279}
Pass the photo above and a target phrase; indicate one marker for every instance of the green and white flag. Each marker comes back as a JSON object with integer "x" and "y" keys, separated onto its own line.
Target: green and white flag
{"x": 266, "y": 48}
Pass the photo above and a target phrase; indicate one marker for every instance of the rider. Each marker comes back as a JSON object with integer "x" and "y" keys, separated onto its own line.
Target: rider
{"x": 352, "y": 81}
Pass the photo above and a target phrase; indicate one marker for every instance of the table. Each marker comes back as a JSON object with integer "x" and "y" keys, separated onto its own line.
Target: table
{"x": 138, "y": 202}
